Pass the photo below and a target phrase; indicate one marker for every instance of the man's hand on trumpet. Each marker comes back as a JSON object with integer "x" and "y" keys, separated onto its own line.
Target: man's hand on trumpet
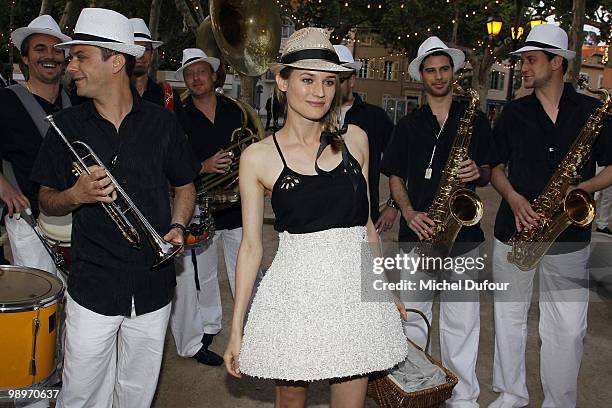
{"x": 93, "y": 188}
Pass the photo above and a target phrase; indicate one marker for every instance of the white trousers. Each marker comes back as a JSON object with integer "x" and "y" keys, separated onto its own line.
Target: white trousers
{"x": 26, "y": 247}
{"x": 111, "y": 361}
{"x": 604, "y": 205}
{"x": 459, "y": 336}
{"x": 195, "y": 312}
{"x": 562, "y": 327}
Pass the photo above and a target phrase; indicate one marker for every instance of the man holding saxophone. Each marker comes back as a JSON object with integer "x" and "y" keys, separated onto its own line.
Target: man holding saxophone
{"x": 532, "y": 138}
{"x": 414, "y": 161}
{"x": 117, "y": 307}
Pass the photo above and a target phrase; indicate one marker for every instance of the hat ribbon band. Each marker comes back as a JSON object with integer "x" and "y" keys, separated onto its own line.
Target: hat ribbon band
{"x": 322, "y": 54}
{"x": 142, "y": 35}
{"x": 192, "y": 59}
{"x": 540, "y": 45}
{"x": 89, "y": 37}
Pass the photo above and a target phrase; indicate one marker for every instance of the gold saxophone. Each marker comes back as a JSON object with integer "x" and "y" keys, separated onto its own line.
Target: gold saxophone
{"x": 454, "y": 205}
{"x": 557, "y": 208}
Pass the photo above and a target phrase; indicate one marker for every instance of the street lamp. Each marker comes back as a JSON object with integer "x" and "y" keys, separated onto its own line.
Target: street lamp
{"x": 516, "y": 33}
{"x": 536, "y": 20}
{"x": 494, "y": 26}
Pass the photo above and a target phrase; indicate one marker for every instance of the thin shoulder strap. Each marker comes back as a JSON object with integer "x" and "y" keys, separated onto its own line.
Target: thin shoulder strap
{"x": 280, "y": 153}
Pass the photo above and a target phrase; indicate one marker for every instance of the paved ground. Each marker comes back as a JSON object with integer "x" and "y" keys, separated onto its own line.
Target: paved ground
{"x": 185, "y": 383}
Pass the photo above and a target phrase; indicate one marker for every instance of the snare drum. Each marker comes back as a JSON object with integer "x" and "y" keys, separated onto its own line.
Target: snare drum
{"x": 57, "y": 231}
{"x": 29, "y": 320}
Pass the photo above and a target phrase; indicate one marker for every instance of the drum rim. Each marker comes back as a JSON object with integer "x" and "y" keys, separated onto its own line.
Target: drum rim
{"x": 27, "y": 306}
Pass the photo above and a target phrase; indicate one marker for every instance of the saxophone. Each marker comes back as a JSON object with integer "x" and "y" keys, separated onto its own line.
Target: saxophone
{"x": 454, "y": 205}
{"x": 558, "y": 208}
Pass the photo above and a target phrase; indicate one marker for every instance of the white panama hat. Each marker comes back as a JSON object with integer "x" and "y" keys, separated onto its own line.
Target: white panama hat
{"x": 44, "y": 24}
{"x": 429, "y": 46}
{"x": 346, "y": 58}
{"x": 547, "y": 37}
{"x": 310, "y": 49}
{"x": 195, "y": 55}
{"x": 106, "y": 29}
{"x": 142, "y": 32}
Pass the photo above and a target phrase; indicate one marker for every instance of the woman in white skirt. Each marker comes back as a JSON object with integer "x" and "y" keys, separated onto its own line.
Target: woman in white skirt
{"x": 312, "y": 317}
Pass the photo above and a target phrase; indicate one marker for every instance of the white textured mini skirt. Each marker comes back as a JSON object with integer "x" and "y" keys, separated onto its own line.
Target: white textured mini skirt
{"x": 312, "y": 318}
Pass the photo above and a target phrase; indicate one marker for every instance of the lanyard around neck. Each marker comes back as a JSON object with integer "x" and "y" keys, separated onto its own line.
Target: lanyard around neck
{"x": 428, "y": 171}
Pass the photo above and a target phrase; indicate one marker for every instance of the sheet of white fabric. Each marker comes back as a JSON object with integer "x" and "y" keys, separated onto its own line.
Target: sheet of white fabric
{"x": 417, "y": 372}
{"x": 111, "y": 361}
{"x": 562, "y": 327}
{"x": 26, "y": 248}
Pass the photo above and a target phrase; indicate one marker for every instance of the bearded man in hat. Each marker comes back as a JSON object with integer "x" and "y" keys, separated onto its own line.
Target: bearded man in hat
{"x": 209, "y": 120}
{"x": 23, "y": 128}
{"x": 377, "y": 125}
{"x": 117, "y": 308}
{"x": 161, "y": 94}
{"x": 531, "y": 137}
{"x": 414, "y": 161}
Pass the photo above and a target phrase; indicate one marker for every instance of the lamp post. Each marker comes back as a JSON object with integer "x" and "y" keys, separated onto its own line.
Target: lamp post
{"x": 516, "y": 33}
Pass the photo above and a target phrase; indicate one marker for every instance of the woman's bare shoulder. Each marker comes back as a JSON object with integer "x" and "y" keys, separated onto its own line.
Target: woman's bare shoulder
{"x": 356, "y": 138}
{"x": 260, "y": 152}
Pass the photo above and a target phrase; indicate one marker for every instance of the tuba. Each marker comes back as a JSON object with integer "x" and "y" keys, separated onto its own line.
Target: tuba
{"x": 246, "y": 34}
{"x": 558, "y": 208}
{"x": 454, "y": 206}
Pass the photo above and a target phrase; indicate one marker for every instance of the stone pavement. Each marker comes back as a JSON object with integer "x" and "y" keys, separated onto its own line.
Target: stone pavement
{"x": 185, "y": 384}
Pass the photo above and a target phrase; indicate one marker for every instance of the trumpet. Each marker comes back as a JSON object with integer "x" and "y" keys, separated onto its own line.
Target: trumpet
{"x": 163, "y": 251}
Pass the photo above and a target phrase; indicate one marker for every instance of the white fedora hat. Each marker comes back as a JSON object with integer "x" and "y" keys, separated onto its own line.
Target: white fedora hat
{"x": 309, "y": 49}
{"x": 44, "y": 24}
{"x": 106, "y": 29}
{"x": 142, "y": 33}
{"x": 192, "y": 56}
{"x": 346, "y": 58}
{"x": 547, "y": 37}
{"x": 429, "y": 46}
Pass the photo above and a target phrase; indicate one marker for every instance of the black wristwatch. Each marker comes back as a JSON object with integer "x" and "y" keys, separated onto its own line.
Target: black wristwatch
{"x": 392, "y": 204}
{"x": 179, "y": 226}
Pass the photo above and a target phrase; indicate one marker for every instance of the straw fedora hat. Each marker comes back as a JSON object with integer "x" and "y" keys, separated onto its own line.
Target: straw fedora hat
{"x": 142, "y": 33}
{"x": 44, "y": 24}
{"x": 309, "y": 49}
{"x": 346, "y": 58}
{"x": 547, "y": 37}
{"x": 192, "y": 56}
{"x": 431, "y": 45}
{"x": 106, "y": 29}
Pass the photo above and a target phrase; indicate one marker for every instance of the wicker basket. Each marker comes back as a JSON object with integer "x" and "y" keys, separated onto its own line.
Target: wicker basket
{"x": 388, "y": 394}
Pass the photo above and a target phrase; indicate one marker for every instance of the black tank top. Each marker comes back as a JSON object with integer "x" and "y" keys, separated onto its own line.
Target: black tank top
{"x": 309, "y": 203}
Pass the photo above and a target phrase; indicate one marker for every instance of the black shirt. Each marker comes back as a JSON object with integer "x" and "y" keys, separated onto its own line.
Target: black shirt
{"x": 526, "y": 139}
{"x": 301, "y": 202}
{"x": 409, "y": 153}
{"x": 151, "y": 150}
{"x": 378, "y": 126}
{"x": 20, "y": 139}
{"x": 207, "y": 138}
{"x": 155, "y": 94}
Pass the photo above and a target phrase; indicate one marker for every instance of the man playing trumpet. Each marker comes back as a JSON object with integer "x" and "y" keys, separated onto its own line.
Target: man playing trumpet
{"x": 117, "y": 307}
